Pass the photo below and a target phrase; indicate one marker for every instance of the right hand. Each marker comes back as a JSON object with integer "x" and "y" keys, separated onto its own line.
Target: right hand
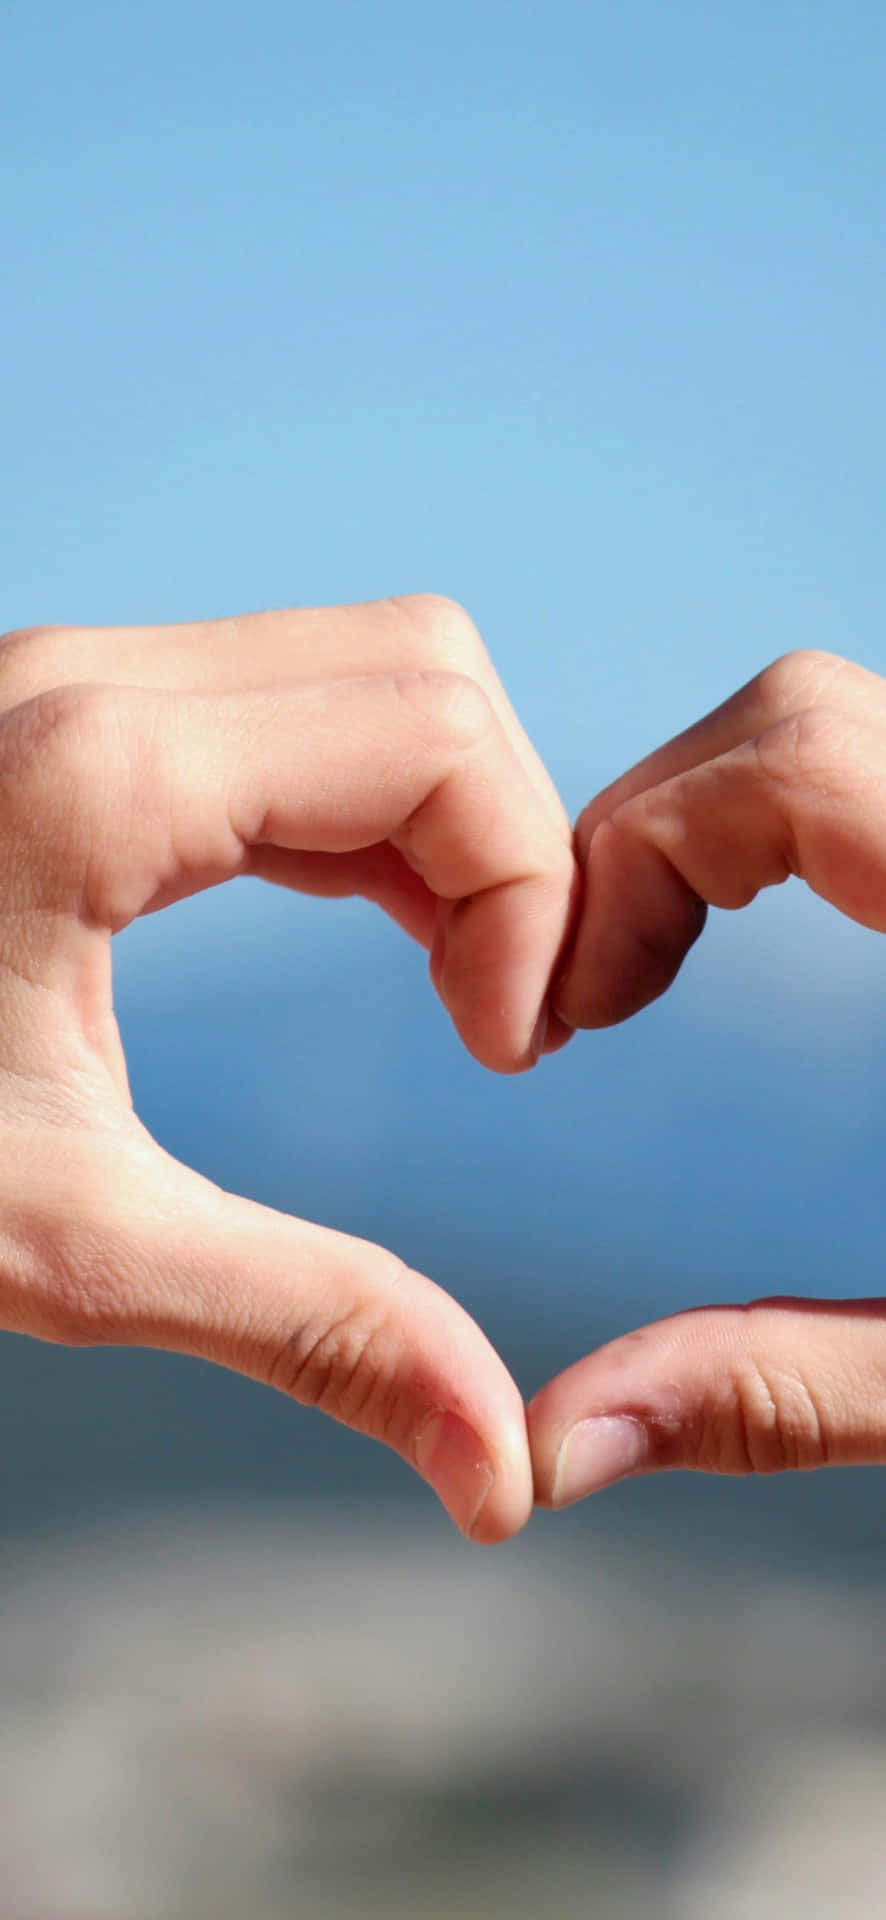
{"x": 788, "y": 777}
{"x": 354, "y": 750}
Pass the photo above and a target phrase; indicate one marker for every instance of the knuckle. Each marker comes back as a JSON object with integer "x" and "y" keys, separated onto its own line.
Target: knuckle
{"x": 804, "y": 749}
{"x": 342, "y": 1367}
{"x": 799, "y": 678}
{"x": 458, "y": 708}
{"x": 31, "y": 659}
{"x": 444, "y": 633}
{"x": 778, "y": 1423}
{"x": 63, "y": 724}
{"x": 62, "y": 753}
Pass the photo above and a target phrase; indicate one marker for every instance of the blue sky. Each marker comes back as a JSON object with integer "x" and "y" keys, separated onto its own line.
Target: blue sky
{"x": 573, "y": 312}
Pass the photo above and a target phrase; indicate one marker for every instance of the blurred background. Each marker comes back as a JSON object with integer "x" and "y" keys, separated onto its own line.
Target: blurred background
{"x": 573, "y": 312}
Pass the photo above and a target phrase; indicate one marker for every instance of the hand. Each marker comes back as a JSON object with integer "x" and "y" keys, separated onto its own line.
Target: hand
{"x": 788, "y": 777}
{"x": 358, "y": 750}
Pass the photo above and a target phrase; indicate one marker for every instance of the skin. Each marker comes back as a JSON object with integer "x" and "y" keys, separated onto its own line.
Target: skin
{"x": 787, "y": 777}
{"x": 371, "y": 750}
{"x": 356, "y": 750}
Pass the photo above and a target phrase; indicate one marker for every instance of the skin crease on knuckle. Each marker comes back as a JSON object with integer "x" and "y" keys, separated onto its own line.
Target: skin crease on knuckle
{"x": 757, "y": 1410}
{"x": 55, "y": 741}
{"x": 722, "y": 1391}
{"x": 39, "y": 817}
{"x": 459, "y": 710}
{"x": 444, "y": 634}
{"x": 808, "y": 751}
{"x": 51, "y": 720}
{"x": 35, "y": 660}
{"x": 343, "y": 1367}
{"x": 446, "y": 637}
{"x": 803, "y": 678}
{"x": 778, "y": 1423}
{"x": 67, "y": 761}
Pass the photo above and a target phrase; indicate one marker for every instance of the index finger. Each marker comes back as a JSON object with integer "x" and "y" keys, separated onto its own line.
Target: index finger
{"x": 131, "y": 799}
{"x": 791, "y": 684}
{"x": 287, "y": 646}
{"x": 785, "y": 778}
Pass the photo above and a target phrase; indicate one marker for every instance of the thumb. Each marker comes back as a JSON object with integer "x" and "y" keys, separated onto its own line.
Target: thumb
{"x": 147, "y": 1252}
{"x": 778, "y": 1384}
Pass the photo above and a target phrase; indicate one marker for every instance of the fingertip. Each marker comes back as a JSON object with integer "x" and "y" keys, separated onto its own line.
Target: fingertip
{"x": 485, "y": 1489}
{"x": 492, "y": 960}
{"x": 620, "y": 967}
{"x": 776, "y": 1385}
{"x": 452, "y": 1458}
{"x": 601, "y": 1420}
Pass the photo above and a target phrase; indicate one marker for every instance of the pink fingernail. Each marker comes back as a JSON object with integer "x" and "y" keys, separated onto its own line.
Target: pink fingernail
{"x": 450, "y": 1455}
{"x": 596, "y": 1453}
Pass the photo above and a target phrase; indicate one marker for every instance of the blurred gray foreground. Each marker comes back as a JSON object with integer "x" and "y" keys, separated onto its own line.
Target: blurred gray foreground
{"x": 230, "y": 1713}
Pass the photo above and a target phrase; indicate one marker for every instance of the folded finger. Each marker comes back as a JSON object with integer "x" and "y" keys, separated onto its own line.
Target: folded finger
{"x": 145, "y": 797}
{"x": 287, "y": 646}
{"x": 793, "y": 684}
{"x": 807, "y": 797}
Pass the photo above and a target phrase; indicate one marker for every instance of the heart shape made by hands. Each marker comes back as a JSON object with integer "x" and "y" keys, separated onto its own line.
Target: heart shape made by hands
{"x": 373, "y": 751}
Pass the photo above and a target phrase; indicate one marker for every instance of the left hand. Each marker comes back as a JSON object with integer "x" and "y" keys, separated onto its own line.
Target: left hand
{"x": 788, "y": 777}
{"x": 346, "y": 750}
